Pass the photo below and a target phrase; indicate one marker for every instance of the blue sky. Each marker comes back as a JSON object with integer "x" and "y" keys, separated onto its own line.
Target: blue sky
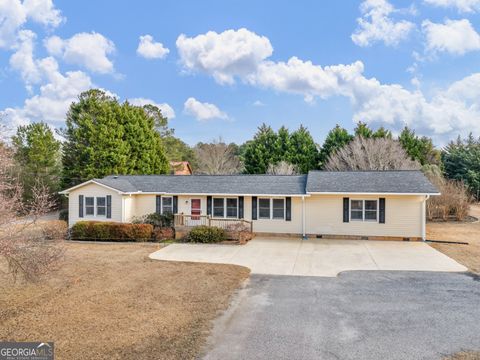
{"x": 241, "y": 63}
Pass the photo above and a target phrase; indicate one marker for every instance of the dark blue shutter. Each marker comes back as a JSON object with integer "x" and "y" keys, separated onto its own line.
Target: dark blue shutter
{"x": 175, "y": 204}
{"x": 381, "y": 215}
{"x": 109, "y": 206}
{"x": 80, "y": 206}
{"x": 288, "y": 209}
{"x": 254, "y": 208}
{"x": 240, "y": 207}
{"x": 209, "y": 205}
{"x": 158, "y": 204}
{"x": 346, "y": 206}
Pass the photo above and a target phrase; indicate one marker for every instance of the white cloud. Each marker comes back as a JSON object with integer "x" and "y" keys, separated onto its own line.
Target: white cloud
{"x": 377, "y": 25}
{"x": 454, "y": 36}
{"x": 150, "y": 49}
{"x": 203, "y": 111}
{"x": 258, "y": 103}
{"x": 224, "y": 56}
{"x": 43, "y": 12}
{"x": 460, "y": 5}
{"x": 90, "y": 50}
{"x": 54, "y": 98}
{"x": 14, "y": 14}
{"x": 22, "y": 59}
{"x": 166, "y": 109}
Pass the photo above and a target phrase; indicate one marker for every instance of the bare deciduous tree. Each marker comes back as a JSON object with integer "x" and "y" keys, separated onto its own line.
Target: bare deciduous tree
{"x": 282, "y": 168}
{"x": 27, "y": 248}
{"x": 217, "y": 158}
{"x": 371, "y": 154}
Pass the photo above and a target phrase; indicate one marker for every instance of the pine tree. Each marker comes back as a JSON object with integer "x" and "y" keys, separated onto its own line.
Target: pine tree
{"x": 337, "y": 138}
{"x": 104, "y": 137}
{"x": 38, "y": 154}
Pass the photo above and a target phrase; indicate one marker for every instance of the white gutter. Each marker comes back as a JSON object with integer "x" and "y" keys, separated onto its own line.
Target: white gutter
{"x": 369, "y": 193}
{"x": 211, "y": 194}
{"x": 303, "y": 218}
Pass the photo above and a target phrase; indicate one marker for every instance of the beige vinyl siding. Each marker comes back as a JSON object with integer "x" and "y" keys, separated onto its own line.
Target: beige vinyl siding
{"x": 93, "y": 190}
{"x": 403, "y": 216}
{"x": 276, "y": 226}
{"x": 144, "y": 204}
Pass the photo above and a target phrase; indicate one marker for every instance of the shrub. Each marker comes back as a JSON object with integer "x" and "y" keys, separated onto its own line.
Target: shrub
{"x": 161, "y": 234}
{"x": 54, "y": 229}
{"x": 157, "y": 220}
{"x": 112, "y": 231}
{"x": 240, "y": 232}
{"x": 206, "y": 234}
{"x": 454, "y": 200}
{"x": 63, "y": 215}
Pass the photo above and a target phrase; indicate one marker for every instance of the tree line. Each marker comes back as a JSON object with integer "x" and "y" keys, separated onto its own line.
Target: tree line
{"x": 103, "y": 136}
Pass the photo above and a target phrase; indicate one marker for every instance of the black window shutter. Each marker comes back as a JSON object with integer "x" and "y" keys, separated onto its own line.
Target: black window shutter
{"x": 158, "y": 204}
{"x": 381, "y": 216}
{"x": 240, "y": 207}
{"x": 175, "y": 204}
{"x": 288, "y": 208}
{"x": 209, "y": 205}
{"x": 254, "y": 208}
{"x": 80, "y": 206}
{"x": 346, "y": 205}
{"x": 109, "y": 206}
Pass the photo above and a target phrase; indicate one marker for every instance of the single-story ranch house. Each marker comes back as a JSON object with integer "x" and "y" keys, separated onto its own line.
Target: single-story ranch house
{"x": 351, "y": 204}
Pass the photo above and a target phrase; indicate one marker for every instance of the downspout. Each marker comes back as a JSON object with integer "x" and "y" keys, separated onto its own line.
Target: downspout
{"x": 424, "y": 217}
{"x": 303, "y": 219}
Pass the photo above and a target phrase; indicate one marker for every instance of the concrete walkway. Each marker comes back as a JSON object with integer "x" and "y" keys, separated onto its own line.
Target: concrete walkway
{"x": 314, "y": 257}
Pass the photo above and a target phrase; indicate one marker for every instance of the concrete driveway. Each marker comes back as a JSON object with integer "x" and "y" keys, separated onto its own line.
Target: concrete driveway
{"x": 358, "y": 315}
{"x": 314, "y": 257}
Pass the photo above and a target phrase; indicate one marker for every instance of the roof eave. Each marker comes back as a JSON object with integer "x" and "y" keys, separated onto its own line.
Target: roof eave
{"x": 370, "y": 193}
{"x": 67, "y": 191}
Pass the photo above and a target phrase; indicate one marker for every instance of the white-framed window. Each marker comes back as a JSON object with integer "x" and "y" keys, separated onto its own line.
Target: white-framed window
{"x": 232, "y": 207}
{"x": 271, "y": 208}
{"x": 278, "y": 209}
{"x": 363, "y": 210}
{"x": 101, "y": 206}
{"x": 218, "y": 207}
{"x": 225, "y": 207}
{"x": 264, "y": 208}
{"x": 167, "y": 204}
{"x": 90, "y": 206}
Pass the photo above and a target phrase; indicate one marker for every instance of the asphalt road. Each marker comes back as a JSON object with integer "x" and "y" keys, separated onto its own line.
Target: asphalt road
{"x": 358, "y": 315}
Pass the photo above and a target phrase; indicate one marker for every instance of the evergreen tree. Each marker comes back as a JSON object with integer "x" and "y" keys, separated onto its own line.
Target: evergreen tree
{"x": 363, "y": 130}
{"x": 104, "y": 137}
{"x": 177, "y": 150}
{"x": 261, "y": 151}
{"x": 303, "y": 151}
{"x": 461, "y": 161}
{"x": 336, "y": 138}
{"x": 419, "y": 148}
{"x": 38, "y": 154}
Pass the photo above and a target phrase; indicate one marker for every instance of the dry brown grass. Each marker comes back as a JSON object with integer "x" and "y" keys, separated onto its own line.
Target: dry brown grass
{"x": 112, "y": 302}
{"x": 465, "y": 355}
{"x": 468, "y": 255}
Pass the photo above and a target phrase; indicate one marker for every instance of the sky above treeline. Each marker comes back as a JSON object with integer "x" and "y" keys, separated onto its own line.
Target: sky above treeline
{"x": 221, "y": 68}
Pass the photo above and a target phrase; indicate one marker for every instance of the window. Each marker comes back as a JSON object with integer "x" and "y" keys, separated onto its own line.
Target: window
{"x": 264, "y": 208}
{"x": 370, "y": 210}
{"x": 101, "y": 206}
{"x": 278, "y": 208}
{"x": 356, "y": 210}
{"x": 364, "y": 210}
{"x": 218, "y": 207}
{"x": 167, "y": 204}
{"x": 89, "y": 206}
{"x": 232, "y": 208}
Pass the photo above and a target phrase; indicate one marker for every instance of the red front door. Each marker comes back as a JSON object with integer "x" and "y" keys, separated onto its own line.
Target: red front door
{"x": 196, "y": 209}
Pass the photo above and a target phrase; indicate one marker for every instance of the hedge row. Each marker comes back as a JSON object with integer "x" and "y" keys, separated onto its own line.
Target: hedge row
{"x": 111, "y": 231}
{"x": 206, "y": 234}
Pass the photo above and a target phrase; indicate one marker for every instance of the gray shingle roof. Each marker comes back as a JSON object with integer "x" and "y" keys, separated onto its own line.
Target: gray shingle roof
{"x": 209, "y": 184}
{"x": 369, "y": 182}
